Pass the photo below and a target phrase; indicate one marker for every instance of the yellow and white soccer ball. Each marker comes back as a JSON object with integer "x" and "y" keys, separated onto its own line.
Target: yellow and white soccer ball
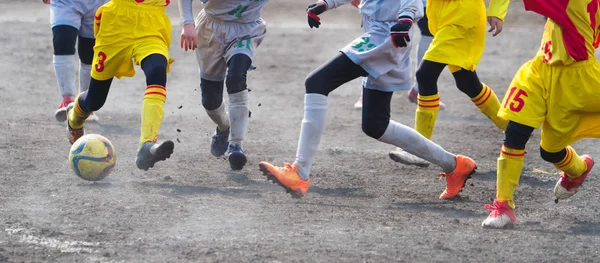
{"x": 92, "y": 157}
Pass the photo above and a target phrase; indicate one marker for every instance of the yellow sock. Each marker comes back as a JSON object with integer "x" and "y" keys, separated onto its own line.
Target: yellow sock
{"x": 152, "y": 113}
{"x": 426, "y": 114}
{"x": 488, "y": 103}
{"x": 573, "y": 165}
{"x": 77, "y": 116}
{"x": 510, "y": 164}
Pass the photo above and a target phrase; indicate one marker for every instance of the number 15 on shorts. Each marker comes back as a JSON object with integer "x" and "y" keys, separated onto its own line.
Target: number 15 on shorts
{"x": 515, "y": 100}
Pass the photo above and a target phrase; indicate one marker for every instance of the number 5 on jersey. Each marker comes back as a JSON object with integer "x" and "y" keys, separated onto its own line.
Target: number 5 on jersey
{"x": 515, "y": 100}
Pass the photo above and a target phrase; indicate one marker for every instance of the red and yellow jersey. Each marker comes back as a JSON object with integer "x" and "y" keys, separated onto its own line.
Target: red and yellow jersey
{"x": 153, "y": 2}
{"x": 571, "y": 32}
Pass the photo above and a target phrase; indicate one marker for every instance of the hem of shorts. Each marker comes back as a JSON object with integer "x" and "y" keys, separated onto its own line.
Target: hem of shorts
{"x": 211, "y": 77}
{"x": 387, "y": 88}
{"x": 373, "y": 73}
{"x": 64, "y": 23}
{"x": 244, "y": 52}
{"x": 511, "y": 117}
{"x": 470, "y": 67}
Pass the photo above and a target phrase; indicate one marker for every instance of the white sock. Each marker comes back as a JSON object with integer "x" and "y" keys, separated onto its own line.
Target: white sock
{"x": 64, "y": 67}
{"x": 238, "y": 116}
{"x": 315, "y": 113}
{"x": 411, "y": 141}
{"x": 84, "y": 76}
{"x": 423, "y": 46}
{"x": 220, "y": 117}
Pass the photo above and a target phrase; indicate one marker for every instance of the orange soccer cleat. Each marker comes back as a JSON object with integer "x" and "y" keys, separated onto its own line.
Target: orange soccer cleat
{"x": 287, "y": 177}
{"x": 455, "y": 181}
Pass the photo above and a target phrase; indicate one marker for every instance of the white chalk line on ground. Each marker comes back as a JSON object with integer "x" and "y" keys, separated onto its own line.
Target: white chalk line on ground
{"x": 65, "y": 246}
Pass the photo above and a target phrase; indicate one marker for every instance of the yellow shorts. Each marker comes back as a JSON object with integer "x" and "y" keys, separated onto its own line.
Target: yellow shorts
{"x": 565, "y": 99}
{"x": 126, "y": 30}
{"x": 458, "y": 28}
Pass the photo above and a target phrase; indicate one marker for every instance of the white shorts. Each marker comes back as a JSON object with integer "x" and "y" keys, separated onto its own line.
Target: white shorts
{"x": 219, "y": 40}
{"x": 389, "y": 67}
{"x": 76, "y": 13}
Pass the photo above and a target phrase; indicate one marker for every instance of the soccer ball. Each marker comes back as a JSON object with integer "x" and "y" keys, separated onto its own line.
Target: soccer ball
{"x": 92, "y": 157}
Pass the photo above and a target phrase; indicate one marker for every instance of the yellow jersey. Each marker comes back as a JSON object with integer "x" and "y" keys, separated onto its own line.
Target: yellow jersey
{"x": 571, "y": 32}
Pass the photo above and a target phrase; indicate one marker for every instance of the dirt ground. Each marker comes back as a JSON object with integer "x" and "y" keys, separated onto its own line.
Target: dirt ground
{"x": 361, "y": 207}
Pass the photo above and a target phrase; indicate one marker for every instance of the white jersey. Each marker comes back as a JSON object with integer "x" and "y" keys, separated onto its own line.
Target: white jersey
{"x": 240, "y": 11}
{"x": 385, "y": 10}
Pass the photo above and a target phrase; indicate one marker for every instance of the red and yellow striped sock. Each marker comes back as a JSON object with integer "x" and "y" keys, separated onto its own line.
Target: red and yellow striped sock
{"x": 573, "y": 165}
{"x": 426, "y": 114}
{"x": 510, "y": 165}
{"x": 488, "y": 103}
{"x": 77, "y": 116}
{"x": 152, "y": 113}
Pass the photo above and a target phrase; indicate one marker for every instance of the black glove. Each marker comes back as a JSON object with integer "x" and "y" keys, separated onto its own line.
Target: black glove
{"x": 399, "y": 32}
{"x": 313, "y": 11}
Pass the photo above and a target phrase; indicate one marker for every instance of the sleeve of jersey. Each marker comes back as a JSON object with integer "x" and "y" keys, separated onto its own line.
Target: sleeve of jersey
{"x": 557, "y": 11}
{"x": 185, "y": 11}
{"x": 498, "y": 8}
{"x": 331, "y": 4}
{"x": 411, "y": 8}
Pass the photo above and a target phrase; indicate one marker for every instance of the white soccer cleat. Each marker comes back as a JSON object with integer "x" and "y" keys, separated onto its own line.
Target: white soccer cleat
{"x": 401, "y": 156}
{"x": 501, "y": 216}
{"x": 567, "y": 187}
{"x": 93, "y": 117}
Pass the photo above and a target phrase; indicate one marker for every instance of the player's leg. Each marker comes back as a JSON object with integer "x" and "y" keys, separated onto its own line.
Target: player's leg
{"x": 150, "y": 152}
{"x": 574, "y": 169}
{"x": 64, "y": 38}
{"x": 422, "y": 46}
{"x": 376, "y": 123}
{"x": 85, "y": 49}
{"x": 428, "y": 103}
{"x": 526, "y": 109}
{"x": 295, "y": 177}
{"x": 216, "y": 109}
{"x": 481, "y": 95}
{"x": 85, "y": 46}
{"x": 237, "y": 69}
{"x": 510, "y": 165}
{"x": 84, "y": 105}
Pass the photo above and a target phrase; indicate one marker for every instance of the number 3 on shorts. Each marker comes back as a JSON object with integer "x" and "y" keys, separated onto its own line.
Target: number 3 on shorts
{"x": 516, "y": 102}
{"x": 101, "y": 59}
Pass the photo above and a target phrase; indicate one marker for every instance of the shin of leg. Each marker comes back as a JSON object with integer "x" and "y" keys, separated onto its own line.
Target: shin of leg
{"x": 481, "y": 95}
{"x": 94, "y": 98}
{"x": 333, "y": 74}
{"x": 239, "y": 109}
{"x": 427, "y": 76}
{"x": 567, "y": 160}
{"x": 212, "y": 101}
{"x": 375, "y": 112}
{"x": 155, "y": 69}
{"x": 85, "y": 49}
{"x": 212, "y": 93}
{"x": 64, "y": 38}
{"x": 468, "y": 82}
{"x": 510, "y": 162}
